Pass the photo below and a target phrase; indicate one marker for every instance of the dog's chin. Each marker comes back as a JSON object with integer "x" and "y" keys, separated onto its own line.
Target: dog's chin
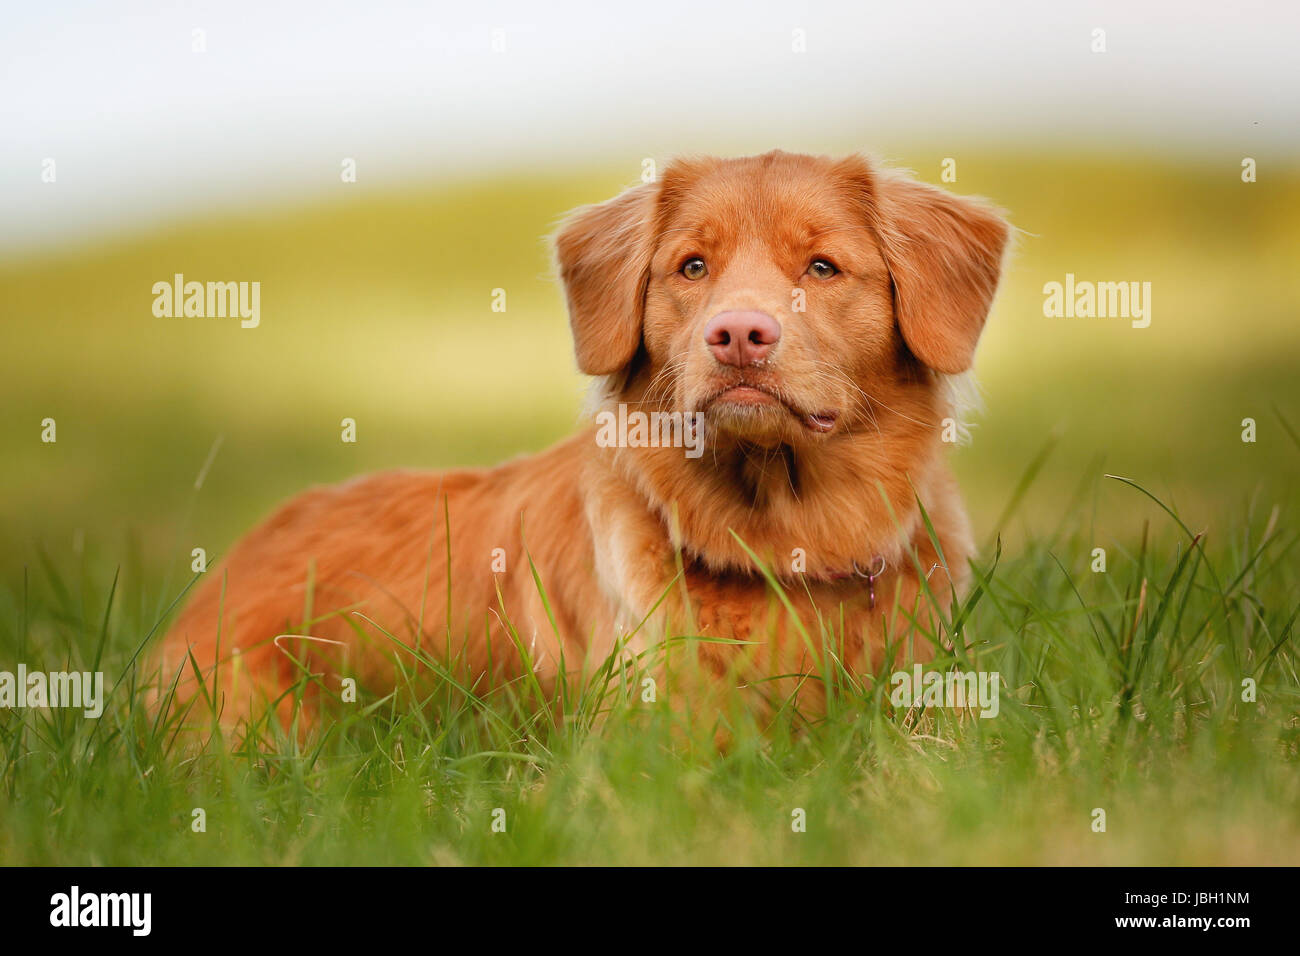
{"x": 758, "y": 416}
{"x": 758, "y": 424}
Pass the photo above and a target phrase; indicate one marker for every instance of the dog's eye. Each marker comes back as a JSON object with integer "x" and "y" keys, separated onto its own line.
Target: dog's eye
{"x": 822, "y": 269}
{"x": 695, "y": 268}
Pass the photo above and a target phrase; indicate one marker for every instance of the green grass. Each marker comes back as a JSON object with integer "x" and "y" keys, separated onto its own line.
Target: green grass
{"x": 1120, "y": 690}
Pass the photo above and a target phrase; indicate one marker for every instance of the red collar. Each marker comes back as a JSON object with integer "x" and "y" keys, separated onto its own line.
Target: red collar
{"x": 857, "y": 572}
{"x": 870, "y": 576}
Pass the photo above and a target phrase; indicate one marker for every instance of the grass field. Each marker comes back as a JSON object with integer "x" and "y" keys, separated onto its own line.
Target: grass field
{"x": 1121, "y": 690}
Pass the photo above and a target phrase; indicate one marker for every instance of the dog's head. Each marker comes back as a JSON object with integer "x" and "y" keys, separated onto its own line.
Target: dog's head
{"x": 781, "y": 295}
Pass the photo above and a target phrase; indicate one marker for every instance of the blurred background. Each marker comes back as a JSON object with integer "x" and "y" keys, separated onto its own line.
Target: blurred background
{"x": 140, "y": 141}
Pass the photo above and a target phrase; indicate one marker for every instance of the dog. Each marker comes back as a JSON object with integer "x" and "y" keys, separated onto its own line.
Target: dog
{"x": 807, "y": 315}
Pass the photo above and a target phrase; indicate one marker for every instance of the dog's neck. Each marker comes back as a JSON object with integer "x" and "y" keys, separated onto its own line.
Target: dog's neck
{"x": 825, "y": 509}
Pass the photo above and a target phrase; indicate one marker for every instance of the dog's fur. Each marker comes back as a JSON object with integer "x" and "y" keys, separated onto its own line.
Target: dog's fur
{"x": 608, "y": 529}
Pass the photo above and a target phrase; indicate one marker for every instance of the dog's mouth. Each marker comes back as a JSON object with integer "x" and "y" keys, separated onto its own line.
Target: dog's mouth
{"x": 820, "y": 421}
{"x": 750, "y": 395}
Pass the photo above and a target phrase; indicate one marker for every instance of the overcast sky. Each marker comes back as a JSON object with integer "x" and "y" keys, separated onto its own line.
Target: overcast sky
{"x": 142, "y": 127}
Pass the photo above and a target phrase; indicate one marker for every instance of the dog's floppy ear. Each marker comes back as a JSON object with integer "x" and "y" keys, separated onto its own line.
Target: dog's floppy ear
{"x": 603, "y": 253}
{"x": 944, "y": 254}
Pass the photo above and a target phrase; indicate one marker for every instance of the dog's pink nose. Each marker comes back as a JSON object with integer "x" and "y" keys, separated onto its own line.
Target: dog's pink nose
{"x": 741, "y": 338}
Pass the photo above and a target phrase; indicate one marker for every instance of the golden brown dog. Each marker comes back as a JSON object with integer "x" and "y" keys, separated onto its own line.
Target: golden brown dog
{"x": 810, "y": 311}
